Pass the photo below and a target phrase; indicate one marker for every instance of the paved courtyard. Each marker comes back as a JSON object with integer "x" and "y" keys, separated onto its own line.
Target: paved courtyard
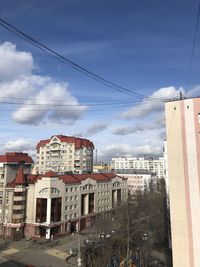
{"x": 40, "y": 254}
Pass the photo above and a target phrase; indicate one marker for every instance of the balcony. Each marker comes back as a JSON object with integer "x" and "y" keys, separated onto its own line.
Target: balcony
{"x": 19, "y": 198}
{"x": 55, "y": 148}
{"x": 55, "y": 155}
{"x": 19, "y": 189}
{"x": 18, "y": 207}
{"x": 17, "y": 216}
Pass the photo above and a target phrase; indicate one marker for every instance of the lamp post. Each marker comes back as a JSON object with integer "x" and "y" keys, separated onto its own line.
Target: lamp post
{"x": 79, "y": 228}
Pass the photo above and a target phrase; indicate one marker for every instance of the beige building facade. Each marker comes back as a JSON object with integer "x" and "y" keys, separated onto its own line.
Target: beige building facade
{"x": 12, "y": 202}
{"x": 183, "y": 156}
{"x": 64, "y": 154}
{"x": 51, "y": 204}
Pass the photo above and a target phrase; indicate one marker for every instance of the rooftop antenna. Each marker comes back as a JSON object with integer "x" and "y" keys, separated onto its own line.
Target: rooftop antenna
{"x": 181, "y": 95}
{"x": 96, "y": 156}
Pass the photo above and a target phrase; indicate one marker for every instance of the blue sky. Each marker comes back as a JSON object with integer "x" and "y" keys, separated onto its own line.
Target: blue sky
{"x": 144, "y": 46}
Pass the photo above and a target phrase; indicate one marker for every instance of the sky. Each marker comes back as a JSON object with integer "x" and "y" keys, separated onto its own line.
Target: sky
{"x": 144, "y": 46}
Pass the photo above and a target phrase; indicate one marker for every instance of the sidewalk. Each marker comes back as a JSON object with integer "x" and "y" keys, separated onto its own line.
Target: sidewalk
{"x": 158, "y": 255}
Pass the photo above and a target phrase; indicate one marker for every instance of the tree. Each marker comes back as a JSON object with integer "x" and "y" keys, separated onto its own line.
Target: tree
{"x": 138, "y": 224}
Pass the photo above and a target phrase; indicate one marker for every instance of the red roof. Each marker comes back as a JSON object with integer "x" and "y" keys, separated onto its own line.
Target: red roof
{"x": 95, "y": 176}
{"x": 73, "y": 178}
{"x": 79, "y": 142}
{"x": 50, "y": 174}
{"x": 69, "y": 179}
{"x": 16, "y": 157}
{"x": 32, "y": 178}
{"x": 20, "y": 179}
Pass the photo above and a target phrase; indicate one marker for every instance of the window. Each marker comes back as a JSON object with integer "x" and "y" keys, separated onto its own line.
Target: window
{"x": 67, "y": 198}
{"x": 71, "y": 207}
{"x": 199, "y": 117}
{"x": 71, "y": 198}
{"x": 19, "y": 194}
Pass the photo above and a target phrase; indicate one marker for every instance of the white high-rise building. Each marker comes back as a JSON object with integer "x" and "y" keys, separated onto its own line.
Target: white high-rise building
{"x": 64, "y": 154}
{"x": 151, "y": 165}
{"x": 137, "y": 180}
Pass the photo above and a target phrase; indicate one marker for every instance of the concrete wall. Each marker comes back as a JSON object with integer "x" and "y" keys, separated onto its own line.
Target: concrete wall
{"x": 183, "y": 148}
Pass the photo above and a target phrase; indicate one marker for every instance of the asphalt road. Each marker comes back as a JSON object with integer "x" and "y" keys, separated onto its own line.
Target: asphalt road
{"x": 52, "y": 254}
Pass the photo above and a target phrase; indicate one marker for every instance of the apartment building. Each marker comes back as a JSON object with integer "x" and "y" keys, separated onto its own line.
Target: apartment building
{"x": 49, "y": 204}
{"x": 183, "y": 156}
{"x": 137, "y": 180}
{"x": 9, "y": 167}
{"x": 64, "y": 154}
{"x": 151, "y": 165}
{"x": 101, "y": 167}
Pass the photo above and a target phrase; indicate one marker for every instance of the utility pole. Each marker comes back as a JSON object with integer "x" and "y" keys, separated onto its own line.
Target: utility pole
{"x": 128, "y": 233}
{"x": 96, "y": 156}
{"x": 79, "y": 228}
{"x": 181, "y": 95}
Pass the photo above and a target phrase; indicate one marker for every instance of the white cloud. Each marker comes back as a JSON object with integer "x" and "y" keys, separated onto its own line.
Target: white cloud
{"x": 194, "y": 92}
{"x": 126, "y": 150}
{"x": 96, "y": 128}
{"x": 51, "y": 101}
{"x": 155, "y": 103}
{"x": 141, "y": 127}
{"x": 13, "y": 63}
{"x": 19, "y": 145}
{"x": 40, "y": 99}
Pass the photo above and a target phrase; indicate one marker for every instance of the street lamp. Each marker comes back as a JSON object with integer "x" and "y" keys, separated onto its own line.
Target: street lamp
{"x": 79, "y": 228}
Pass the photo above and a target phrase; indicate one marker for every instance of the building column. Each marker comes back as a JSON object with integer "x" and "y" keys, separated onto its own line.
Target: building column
{"x": 48, "y": 218}
{"x": 86, "y": 204}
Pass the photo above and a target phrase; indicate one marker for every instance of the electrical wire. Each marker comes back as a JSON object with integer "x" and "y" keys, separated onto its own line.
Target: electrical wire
{"x": 67, "y": 61}
{"x": 193, "y": 46}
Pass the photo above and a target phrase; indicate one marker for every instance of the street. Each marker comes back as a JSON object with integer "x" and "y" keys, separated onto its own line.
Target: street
{"x": 39, "y": 254}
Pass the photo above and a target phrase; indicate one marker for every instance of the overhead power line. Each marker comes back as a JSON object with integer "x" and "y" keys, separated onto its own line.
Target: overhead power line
{"x": 67, "y": 61}
{"x": 193, "y": 47}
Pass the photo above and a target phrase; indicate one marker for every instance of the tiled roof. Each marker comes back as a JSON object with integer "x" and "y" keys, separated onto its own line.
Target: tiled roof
{"x": 32, "y": 178}
{"x": 15, "y": 157}
{"x": 69, "y": 179}
{"x": 79, "y": 142}
{"x": 95, "y": 176}
{"x": 73, "y": 178}
{"x": 20, "y": 178}
{"x": 50, "y": 174}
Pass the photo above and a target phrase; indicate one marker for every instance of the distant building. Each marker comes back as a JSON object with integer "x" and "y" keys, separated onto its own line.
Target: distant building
{"x": 50, "y": 204}
{"x": 138, "y": 180}
{"x": 12, "y": 204}
{"x": 64, "y": 154}
{"x": 101, "y": 167}
{"x": 166, "y": 166}
{"x": 151, "y": 165}
{"x": 183, "y": 155}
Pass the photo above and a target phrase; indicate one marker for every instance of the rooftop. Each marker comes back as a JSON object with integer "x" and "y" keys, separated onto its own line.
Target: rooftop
{"x": 16, "y": 157}
{"x": 79, "y": 142}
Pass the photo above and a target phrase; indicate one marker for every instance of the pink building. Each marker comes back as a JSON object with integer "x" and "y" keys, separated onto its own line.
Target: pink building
{"x": 183, "y": 153}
